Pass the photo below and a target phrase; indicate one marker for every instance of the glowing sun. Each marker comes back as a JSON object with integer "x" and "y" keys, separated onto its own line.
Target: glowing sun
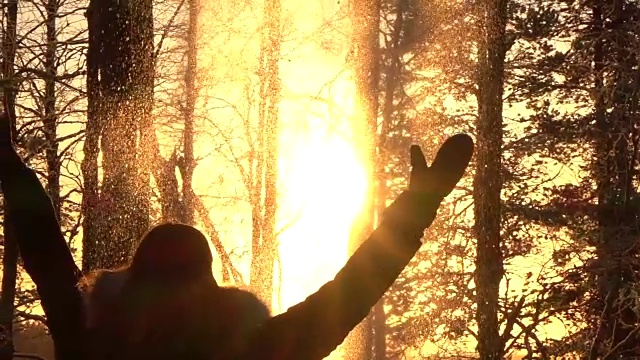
{"x": 324, "y": 188}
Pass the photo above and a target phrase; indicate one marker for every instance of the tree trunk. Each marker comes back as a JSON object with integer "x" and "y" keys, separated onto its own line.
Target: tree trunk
{"x": 265, "y": 245}
{"x": 91, "y": 149}
{"x": 50, "y": 121}
{"x": 487, "y": 182}
{"x": 379, "y": 326}
{"x": 366, "y": 25}
{"x": 616, "y": 86}
{"x": 122, "y": 80}
{"x": 142, "y": 89}
{"x": 176, "y": 205}
{"x": 11, "y": 252}
{"x": 190, "y": 103}
{"x": 111, "y": 242}
{"x": 392, "y": 68}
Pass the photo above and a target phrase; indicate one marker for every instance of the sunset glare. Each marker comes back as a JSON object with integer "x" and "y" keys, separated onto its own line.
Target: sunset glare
{"x": 322, "y": 192}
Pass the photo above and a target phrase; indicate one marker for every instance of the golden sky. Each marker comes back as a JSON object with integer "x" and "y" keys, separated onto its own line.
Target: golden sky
{"x": 322, "y": 184}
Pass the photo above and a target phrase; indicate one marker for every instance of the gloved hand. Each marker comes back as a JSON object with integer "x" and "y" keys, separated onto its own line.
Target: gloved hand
{"x": 5, "y": 131}
{"x": 8, "y": 153}
{"x": 429, "y": 185}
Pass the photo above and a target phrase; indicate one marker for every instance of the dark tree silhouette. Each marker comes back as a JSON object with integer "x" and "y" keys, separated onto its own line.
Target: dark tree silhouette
{"x": 120, "y": 95}
{"x": 487, "y": 184}
{"x": 10, "y": 253}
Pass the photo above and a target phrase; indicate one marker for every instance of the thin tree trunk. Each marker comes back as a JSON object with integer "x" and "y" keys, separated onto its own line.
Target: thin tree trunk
{"x": 265, "y": 249}
{"x": 91, "y": 149}
{"x": 190, "y": 103}
{"x": 391, "y": 83}
{"x": 255, "y": 193}
{"x": 379, "y": 331}
{"x": 142, "y": 89}
{"x": 487, "y": 182}
{"x": 366, "y": 23}
{"x": 50, "y": 122}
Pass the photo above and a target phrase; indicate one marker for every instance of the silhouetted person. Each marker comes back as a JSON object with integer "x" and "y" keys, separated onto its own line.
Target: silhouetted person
{"x": 153, "y": 310}
{"x": 167, "y": 304}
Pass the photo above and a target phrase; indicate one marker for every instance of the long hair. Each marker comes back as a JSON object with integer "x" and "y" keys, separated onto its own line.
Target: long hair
{"x": 167, "y": 304}
{"x": 157, "y": 303}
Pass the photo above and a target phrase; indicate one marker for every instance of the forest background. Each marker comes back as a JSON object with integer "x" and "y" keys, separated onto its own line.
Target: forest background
{"x": 281, "y": 129}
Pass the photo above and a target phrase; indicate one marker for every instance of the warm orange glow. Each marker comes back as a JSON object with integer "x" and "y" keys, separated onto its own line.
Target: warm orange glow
{"x": 322, "y": 182}
{"x": 324, "y": 187}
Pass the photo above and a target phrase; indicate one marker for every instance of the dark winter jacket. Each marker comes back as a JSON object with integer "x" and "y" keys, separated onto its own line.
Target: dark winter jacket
{"x": 309, "y": 330}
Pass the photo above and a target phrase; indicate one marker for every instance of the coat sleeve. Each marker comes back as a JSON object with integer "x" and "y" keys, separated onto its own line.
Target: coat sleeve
{"x": 317, "y": 326}
{"x": 46, "y": 256}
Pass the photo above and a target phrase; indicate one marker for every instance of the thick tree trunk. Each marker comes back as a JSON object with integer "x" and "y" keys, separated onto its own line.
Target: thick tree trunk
{"x": 107, "y": 81}
{"x": 120, "y": 81}
{"x": 487, "y": 181}
{"x": 116, "y": 237}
